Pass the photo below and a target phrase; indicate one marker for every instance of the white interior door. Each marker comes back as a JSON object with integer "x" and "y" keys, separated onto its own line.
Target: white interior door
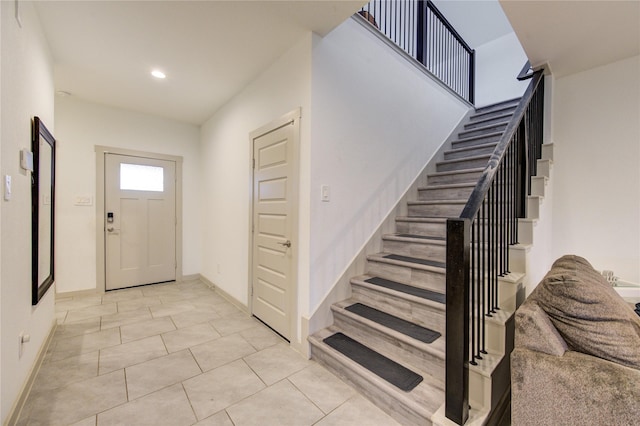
{"x": 274, "y": 155}
{"x": 140, "y": 221}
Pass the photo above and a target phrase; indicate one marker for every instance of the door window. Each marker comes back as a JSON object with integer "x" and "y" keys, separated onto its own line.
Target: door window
{"x": 138, "y": 177}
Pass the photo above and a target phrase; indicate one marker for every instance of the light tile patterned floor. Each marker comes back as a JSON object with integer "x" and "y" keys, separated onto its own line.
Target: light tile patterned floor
{"x": 179, "y": 354}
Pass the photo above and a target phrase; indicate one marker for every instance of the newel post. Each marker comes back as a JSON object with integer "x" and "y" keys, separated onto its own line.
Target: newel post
{"x": 457, "y": 323}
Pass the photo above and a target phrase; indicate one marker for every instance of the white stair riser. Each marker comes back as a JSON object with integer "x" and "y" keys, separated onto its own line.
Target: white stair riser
{"x": 421, "y": 228}
{"x": 544, "y": 168}
{"x": 485, "y": 121}
{"x": 509, "y": 105}
{"x": 463, "y": 164}
{"x": 417, "y": 277}
{"x": 533, "y": 207}
{"x": 479, "y": 390}
{"x": 482, "y": 131}
{"x": 495, "y": 334}
{"x": 538, "y": 185}
{"x": 482, "y": 386}
{"x": 510, "y": 295}
{"x": 525, "y": 231}
{"x": 547, "y": 151}
{"x": 480, "y": 150}
{"x": 454, "y": 178}
{"x": 517, "y": 259}
{"x": 424, "y": 315}
{"x": 421, "y": 251}
{"x": 470, "y": 142}
{"x": 427, "y": 194}
{"x": 435, "y": 210}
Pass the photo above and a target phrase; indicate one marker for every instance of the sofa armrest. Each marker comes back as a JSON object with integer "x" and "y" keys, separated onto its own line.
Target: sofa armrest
{"x": 535, "y": 331}
{"x": 572, "y": 389}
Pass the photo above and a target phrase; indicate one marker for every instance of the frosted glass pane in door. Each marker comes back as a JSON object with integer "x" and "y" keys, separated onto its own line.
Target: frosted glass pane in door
{"x": 138, "y": 177}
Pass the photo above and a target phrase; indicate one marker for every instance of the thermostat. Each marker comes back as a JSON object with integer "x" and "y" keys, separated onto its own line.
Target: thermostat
{"x": 26, "y": 159}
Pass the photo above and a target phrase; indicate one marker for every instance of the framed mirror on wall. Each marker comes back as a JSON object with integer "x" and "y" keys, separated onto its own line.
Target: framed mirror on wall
{"x": 43, "y": 145}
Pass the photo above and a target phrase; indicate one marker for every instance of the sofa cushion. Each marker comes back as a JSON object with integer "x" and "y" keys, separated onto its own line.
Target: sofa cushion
{"x": 588, "y": 313}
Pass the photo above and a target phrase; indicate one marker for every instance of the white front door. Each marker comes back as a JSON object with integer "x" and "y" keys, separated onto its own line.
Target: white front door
{"x": 140, "y": 221}
{"x": 274, "y": 220}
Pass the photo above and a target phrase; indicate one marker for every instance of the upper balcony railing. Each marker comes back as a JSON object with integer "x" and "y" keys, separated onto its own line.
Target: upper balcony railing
{"x": 419, "y": 29}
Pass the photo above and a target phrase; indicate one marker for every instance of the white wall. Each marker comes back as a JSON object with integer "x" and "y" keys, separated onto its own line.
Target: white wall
{"x": 377, "y": 120}
{"x": 226, "y": 173}
{"x": 596, "y": 204}
{"x": 27, "y": 90}
{"x": 81, "y": 125}
{"x": 498, "y": 63}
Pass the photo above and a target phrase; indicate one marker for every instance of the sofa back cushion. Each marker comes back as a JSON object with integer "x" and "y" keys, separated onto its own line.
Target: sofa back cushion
{"x": 588, "y": 313}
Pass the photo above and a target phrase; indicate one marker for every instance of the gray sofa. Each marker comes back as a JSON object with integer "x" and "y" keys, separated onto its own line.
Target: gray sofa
{"x": 576, "y": 359}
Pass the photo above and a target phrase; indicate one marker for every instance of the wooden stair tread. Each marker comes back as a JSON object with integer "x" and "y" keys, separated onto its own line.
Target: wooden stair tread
{"x": 386, "y": 368}
{"x": 401, "y": 288}
{"x": 447, "y": 186}
{"x": 471, "y": 148}
{"x": 438, "y": 220}
{"x": 487, "y": 128}
{"x": 423, "y": 400}
{"x": 462, "y": 140}
{"x": 415, "y": 331}
{"x": 453, "y": 172}
{"x": 508, "y": 103}
{"x": 499, "y": 114}
{"x": 462, "y": 160}
{"x": 413, "y": 260}
{"x": 436, "y": 349}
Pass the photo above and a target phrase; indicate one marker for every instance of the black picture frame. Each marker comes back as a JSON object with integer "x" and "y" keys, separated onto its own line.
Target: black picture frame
{"x": 43, "y": 146}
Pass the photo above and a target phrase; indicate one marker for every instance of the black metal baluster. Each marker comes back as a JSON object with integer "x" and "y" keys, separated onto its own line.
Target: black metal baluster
{"x": 472, "y": 298}
{"x": 478, "y": 280}
{"x": 483, "y": 253}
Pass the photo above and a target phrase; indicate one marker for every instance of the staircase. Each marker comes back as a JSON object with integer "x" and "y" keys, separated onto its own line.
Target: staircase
{"x": 387, "y": 340}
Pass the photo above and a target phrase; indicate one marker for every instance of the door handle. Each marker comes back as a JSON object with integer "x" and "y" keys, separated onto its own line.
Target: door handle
{"x": 112, "y": 229}
{"x": 286, "y": 243}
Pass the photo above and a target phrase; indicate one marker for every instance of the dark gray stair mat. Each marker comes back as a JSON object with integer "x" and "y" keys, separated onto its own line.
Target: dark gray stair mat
{"x": 415, "y": 260}
{"x": 398, "y": 324}
{"x": 403, "y": 288}
{"x": 394, "y": 373}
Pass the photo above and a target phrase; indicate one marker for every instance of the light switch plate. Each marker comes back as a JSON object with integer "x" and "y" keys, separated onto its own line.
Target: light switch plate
{"x": 7, "y": 188}
{"x": 325, "y": 193}
{"x": 84, "y": 200}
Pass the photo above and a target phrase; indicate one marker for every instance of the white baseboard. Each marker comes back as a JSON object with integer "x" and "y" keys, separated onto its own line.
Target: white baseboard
{"x": 77, "y": 293}
{"x": 16, "y": 410}
{"x": 191, "y": 277}
{"x": 235, "y": 302}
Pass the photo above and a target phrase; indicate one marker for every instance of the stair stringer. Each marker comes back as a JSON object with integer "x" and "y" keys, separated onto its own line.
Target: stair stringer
{"x": 341, "y": 289}
{"x": 489, "y": 381}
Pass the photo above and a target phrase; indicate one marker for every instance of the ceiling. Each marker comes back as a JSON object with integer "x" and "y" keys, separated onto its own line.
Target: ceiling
{"x": 477, "y": 21}
{"x": 573, "y": 36}
{"x": 104, "y": 51}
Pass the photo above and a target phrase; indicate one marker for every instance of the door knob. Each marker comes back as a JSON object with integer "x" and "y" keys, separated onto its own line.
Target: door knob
{"x": 286, "y": 243}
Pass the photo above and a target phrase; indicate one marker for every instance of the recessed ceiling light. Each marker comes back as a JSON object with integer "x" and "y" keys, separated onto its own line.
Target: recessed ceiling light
{"x": 158, "y": 74}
